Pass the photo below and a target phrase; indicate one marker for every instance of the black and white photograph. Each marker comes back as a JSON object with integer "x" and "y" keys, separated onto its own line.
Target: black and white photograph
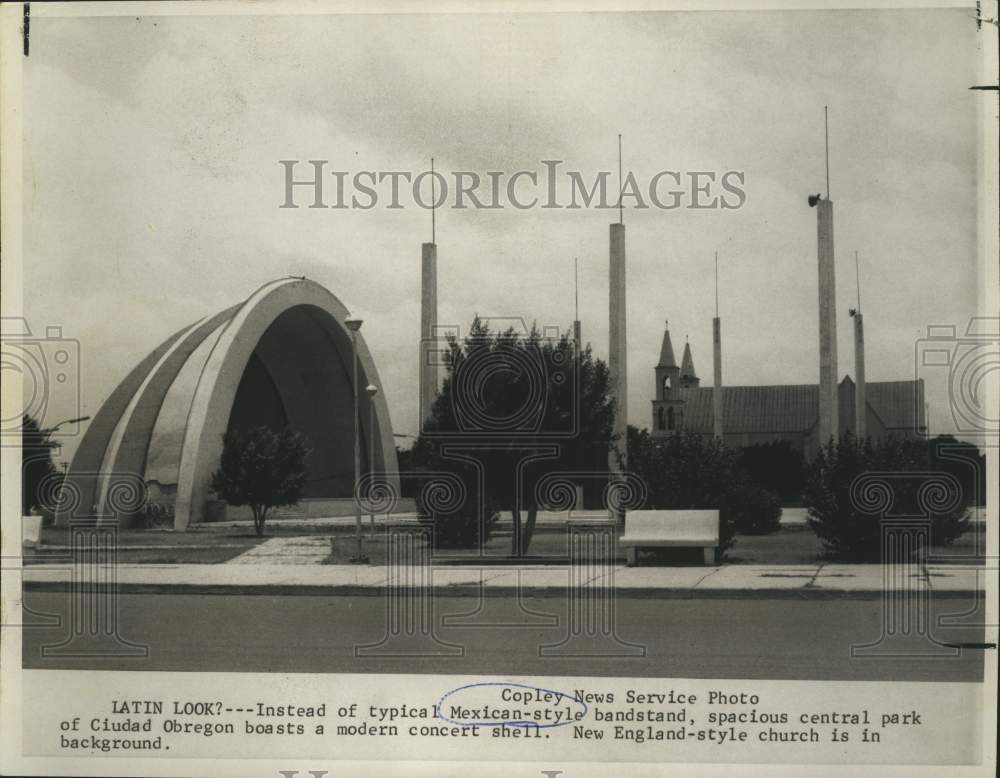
{"x": 414, "y": 389}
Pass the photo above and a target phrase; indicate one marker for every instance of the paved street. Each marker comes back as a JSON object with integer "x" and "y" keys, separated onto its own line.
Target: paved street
{"x": 699, "y": 638}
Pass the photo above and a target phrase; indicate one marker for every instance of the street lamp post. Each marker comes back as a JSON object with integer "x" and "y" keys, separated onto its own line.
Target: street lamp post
{"x": 77, "y": 420}
{"x": 354, "y": 325}
{"x": 58, "y": 444}
{"x": 371, "y": 390}
{"x": 50, "y": 430}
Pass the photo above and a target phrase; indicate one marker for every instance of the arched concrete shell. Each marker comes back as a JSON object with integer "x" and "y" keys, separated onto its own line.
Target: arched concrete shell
{"x": 118, "y": 440}
{"x": 86, "y": 474}
{"x": 129, "y": 450}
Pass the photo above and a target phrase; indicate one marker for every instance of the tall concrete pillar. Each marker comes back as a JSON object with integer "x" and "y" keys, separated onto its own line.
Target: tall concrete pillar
{"x": 828, "y": 418}
{"x": 577, "y": 329}
{"x": 860, "y": 392}
{"x": 618, "y": 346}
{"x": 428, "y": 321}
{"x": 717, "y": 382}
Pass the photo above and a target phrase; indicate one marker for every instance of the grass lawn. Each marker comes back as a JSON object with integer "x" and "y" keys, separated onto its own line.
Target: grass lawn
{"x": 790, "y": 545}
{"x": 797, "y": 544}
{"x": 138, "y": 546}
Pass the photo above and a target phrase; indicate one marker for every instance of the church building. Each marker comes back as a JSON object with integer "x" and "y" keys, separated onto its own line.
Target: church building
{"x": 764, "y": 414}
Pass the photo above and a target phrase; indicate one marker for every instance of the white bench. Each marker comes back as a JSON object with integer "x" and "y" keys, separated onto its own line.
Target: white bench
{"x": 670, "y": 529}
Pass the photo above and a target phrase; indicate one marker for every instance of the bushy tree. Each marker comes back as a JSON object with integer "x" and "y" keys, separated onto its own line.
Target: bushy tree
{"x": 754, "y": 510}
{"x": 261, "y": 468}
{"x": 510, "y": 395}
{"x": 687, "y": 470}
{"x": 777, "y": 466}
{"x": 848, "y": 527}
{"x": 36, "y": 462}
{"x": 962, "y": 460}
{"x": 467, "y": 524}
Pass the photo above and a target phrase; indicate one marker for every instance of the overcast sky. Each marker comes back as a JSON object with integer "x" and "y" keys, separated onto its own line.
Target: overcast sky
{"x": 152, "y": 181}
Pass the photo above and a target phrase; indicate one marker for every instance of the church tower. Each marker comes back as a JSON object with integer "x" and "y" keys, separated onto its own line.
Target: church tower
{"x": 689, "y": 380}
{"x": 668, "y": 407}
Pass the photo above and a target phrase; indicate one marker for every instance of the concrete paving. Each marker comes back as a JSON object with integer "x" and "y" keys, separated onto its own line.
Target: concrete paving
{"x": 790, "y": 516}
{"x": 303, "y": 550}
{"x": 774, "y": 581}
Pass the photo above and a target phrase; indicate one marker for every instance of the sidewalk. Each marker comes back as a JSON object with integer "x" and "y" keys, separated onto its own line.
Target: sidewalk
{"x": 504, "y": 522}
{"x": 817, "y": 581}
{"x": 790, "y": 516}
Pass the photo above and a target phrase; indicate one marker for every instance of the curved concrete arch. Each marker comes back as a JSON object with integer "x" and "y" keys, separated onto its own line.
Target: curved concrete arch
{"x": 128, "y": 452}
{"x": 223, "y": 370}
{"x": 85, "y": 474}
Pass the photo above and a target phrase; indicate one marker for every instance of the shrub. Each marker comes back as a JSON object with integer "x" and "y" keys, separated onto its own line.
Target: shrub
{"x": 849, "y": 529}
{"x": 777, "y": 466}
{"x": 964, "y": 461}
{"x": 755, "y": 511}
{"x": 448, "y": 502}
{"x": 460, "y": 529}
{"x": 37, "y": 466}
{"x": 687, "y": 470}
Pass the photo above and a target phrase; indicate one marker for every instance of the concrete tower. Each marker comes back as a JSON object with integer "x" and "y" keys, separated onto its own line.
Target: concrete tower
{"x": 617, "y": 335}
{"x": 429, "y": 356}
{"x": 860, "y": 395}
{"x": 828, "y": 417}
{"x": 428, "y": 321}
{"x": 717, "y": 430}
{"x": 860, "y": 392}
{"x": 828, "y": 421}
{"x": 577, "y": 328}
{"x": 717, "y": 360}
{"x": 617, "y": 346}
{"x": 578, "y": 348}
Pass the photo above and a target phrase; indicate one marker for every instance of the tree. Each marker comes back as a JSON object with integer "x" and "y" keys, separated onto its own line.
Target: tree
{"x": 527, "y": 406}
{"x": 962, "y": 460}
{"x": 36, "y": 462}
{"x": 686, "y": 470}
{"x": 850, "y": 528}
{"x": 777, "y": 466}
{"x": 754, "y": 510}
{"x": 261, "y": 468}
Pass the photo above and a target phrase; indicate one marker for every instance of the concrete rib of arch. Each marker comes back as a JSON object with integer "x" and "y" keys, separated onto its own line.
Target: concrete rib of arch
{"x": 133, "y": 407}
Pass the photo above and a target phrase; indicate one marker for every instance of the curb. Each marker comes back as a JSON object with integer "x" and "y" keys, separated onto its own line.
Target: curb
{"x": 466, "y": 590}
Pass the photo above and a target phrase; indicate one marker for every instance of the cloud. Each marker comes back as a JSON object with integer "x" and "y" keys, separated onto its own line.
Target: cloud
{"x": 152, "y": 148}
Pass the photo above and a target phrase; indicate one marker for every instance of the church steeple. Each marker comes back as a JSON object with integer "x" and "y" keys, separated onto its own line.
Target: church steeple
{"x": 688, "y": 377}
{"x": 667, "y": 403}
{"x": 667, "y": 349}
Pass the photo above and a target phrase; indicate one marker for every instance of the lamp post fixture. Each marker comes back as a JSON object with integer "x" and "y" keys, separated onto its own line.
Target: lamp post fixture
{"x": 53, "y": 428}
{"x": 44, "y": 433}
{"x": 371, "y": 391}
{"x": 354, "y": 325}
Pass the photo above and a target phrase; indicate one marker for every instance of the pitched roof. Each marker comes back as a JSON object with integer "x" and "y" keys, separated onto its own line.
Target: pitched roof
{"x": 666, "y": 352}
{"x": 899, "y": 404}
{"x": 753, "y": 408}
{"x": 795, "y": 408}
{"x": 687, "y": 363}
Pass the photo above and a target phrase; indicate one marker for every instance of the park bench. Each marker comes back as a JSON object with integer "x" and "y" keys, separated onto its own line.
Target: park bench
{"x": 671, "y": 529}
